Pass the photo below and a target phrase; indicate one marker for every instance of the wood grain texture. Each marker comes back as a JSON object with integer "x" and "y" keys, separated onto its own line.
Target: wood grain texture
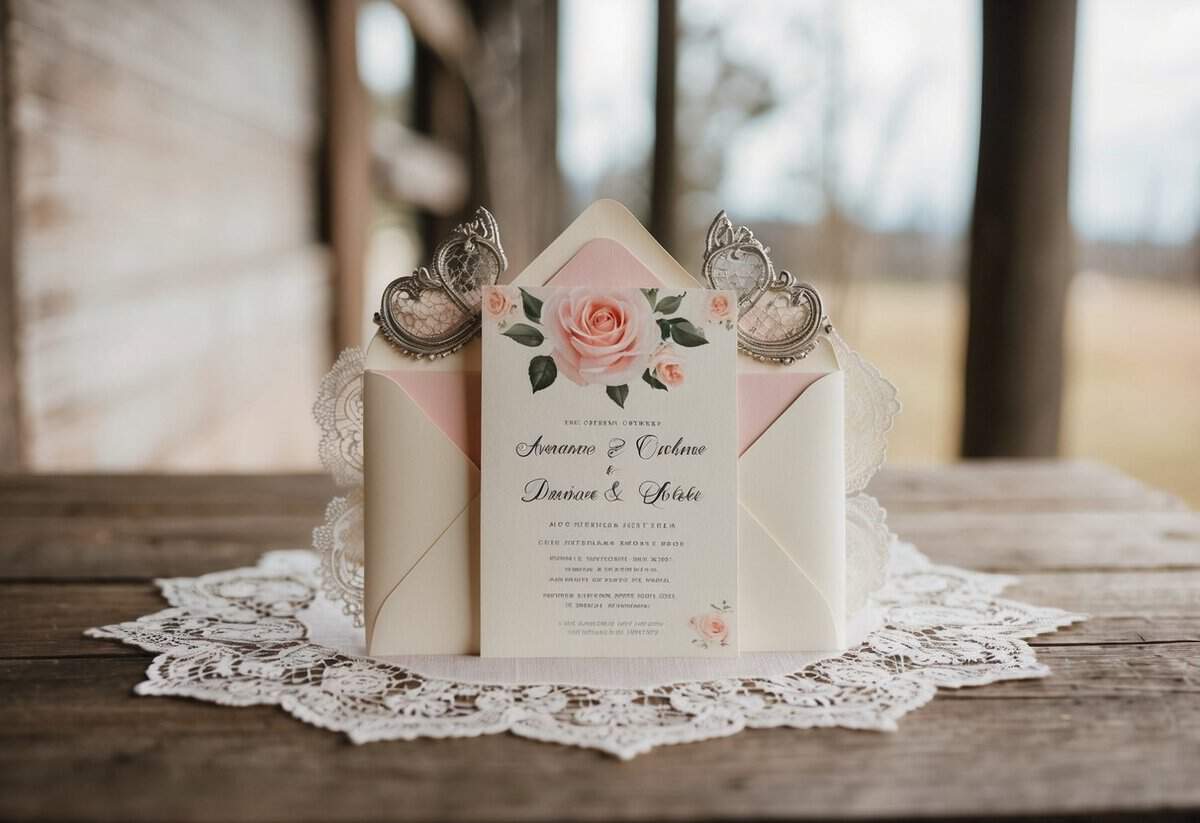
{"x": 167, "y": 250}
{"x": 11, "y": 440}
{"x": 1114, "y": 731}
{"x": 349, "y": 168}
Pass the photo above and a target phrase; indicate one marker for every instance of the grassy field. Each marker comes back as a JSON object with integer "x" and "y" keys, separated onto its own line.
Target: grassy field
{"x": 1133, "y": 371}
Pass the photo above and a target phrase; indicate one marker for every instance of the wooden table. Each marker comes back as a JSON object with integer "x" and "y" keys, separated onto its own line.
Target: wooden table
{"x": 1115, "y": 730}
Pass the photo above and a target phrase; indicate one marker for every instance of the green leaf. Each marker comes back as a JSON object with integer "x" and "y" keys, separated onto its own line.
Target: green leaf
{"x": 649, "y": 377}
{"x": 618, "y": 394}
{"x": 686, "y": 334}
{"x": 524, "y": 334}
{"x": 665, "y": 324}
{"x": 669, "y": 304}
{"x": 532, "y": 306}
{"x": 542, "y": 372}
{"x": 651, "y": 295}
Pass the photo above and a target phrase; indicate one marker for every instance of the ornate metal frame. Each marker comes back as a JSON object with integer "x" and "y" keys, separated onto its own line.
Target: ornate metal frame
{"x": 735, "y": 259}
{"x": 469, "y": 259}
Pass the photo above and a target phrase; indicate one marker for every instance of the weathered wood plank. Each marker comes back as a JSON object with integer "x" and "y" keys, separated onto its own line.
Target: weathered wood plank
{"x": 1016, "y": 486}
{"x": 1122, "y": 700}
{"x": 988, "y": 483}
{"x": 147, "y": 546}
{"x": 166, "y": 198}
{"x": 48, "y": 621}
{"x": 235, "y": 71}
{"x": 1148, "y": 596}
{"x": 980, "y": 752}
{"x": 135, "y": 495}
{"x": 144, "y": 527}
{"x": 1006, "y": 541}
{"x": 48, "y": 618}
{"x": 285, "y": 284}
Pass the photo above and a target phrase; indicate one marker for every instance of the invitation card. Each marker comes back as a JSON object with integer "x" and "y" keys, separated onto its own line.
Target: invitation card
{"x": 609, "y": 505}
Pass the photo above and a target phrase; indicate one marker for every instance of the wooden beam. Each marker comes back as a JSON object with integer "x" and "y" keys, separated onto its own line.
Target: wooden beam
{"x": 1022, "y": 249}
{"x": 411, "y": 168}
{"x": 444, "y": 115}
{"x": 11, "y": 442}
{"x": 663, "y": 191}
{"x": 349, "y": 170}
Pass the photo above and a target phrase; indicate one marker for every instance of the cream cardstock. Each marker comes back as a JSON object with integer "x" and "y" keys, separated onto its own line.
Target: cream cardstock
{"x": 422, "y": 477}
{"x": 609, "y": 487}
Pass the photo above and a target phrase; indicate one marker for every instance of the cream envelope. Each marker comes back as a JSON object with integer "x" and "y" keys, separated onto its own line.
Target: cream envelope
{"x": 421, "y": 470}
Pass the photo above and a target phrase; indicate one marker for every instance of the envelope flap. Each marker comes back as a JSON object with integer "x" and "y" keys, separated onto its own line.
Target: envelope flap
{"x": 763, "y": 397}
{"x": 782, "y": 608}
{"x": 450, "y": 400}
{"x": 606, "y": 220}
{"x": 434, "y": 609}
{"x": 800, "y": 500}
{"x": 415, "y": 477}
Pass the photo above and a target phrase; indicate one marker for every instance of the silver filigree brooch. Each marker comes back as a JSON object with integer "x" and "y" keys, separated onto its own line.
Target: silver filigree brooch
{"x": 779, "y": 318}
{"x": 435, "y": 311}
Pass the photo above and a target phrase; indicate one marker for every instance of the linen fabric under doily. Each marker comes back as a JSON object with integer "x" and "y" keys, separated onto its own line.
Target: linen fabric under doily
{"x": 248, "y": 637}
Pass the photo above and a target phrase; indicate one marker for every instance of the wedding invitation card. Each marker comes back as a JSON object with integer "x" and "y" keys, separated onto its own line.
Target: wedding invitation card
{"x": 609, "y": 505}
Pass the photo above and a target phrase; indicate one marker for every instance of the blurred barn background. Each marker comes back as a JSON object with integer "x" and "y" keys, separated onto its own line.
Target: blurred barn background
{"x": 201, "y": 200}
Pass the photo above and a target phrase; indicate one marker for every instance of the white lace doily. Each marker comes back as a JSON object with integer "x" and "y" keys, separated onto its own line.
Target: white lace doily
{"x": 239, "y": 638}
{"x": 287, "y": 631}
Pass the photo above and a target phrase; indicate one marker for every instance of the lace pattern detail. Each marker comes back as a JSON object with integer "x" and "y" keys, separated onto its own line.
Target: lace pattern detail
{"x": 339, "y": 414}
{"x": 868, "y": 542}
{"x": 237, "y": 638}
{"x": 872, "y": 404}
{"x": 339, "y": 542}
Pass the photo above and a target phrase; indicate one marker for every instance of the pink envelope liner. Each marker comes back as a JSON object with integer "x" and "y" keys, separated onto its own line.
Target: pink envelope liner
{"x": 451, "y": 399}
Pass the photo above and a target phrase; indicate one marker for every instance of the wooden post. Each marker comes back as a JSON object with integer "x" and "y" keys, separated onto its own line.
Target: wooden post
{"x": 662, "y": 191}
{"x": 1022, "y": 249}
{"x": 496, "y": 106}
{"x": 444, "y": 114}
{"x": 349, "y": 171}
{"x": 11, "y": 444}
{"x": 538, "y": 70}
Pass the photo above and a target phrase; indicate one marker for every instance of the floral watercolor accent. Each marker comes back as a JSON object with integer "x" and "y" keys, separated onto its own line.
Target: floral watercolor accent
{"x": 712, "y": 627}
{"x": 604, "y": 337}
{"x": 721, "y": 310}
{"x": 667, "y": 366}
{"x": 498, "y": 303}
{"x": 719, "y": 307}
{"x": 599, "y": 337}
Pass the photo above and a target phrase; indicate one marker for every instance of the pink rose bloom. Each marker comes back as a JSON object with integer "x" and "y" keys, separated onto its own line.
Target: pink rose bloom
{"x": 497, "y": 302}
{"x": 711, "y": 626}
{"x": 719, "y": 307}
{"x": 668, "y": 367}
{"x": 599, "y": 337}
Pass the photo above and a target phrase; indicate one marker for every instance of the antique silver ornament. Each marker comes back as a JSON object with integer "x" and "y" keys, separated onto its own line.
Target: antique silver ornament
{"x": 435, "y": 310}
{"x": 779, "y": 318}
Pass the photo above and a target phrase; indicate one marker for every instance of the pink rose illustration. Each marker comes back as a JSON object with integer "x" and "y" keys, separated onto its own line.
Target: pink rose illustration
{"x": 719, "y": 307}
{"x": 667, "y": 366}
{"x": 599, "y": 337}
{"x": 497, "y": 302}
{"x": 711, "y": 626}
